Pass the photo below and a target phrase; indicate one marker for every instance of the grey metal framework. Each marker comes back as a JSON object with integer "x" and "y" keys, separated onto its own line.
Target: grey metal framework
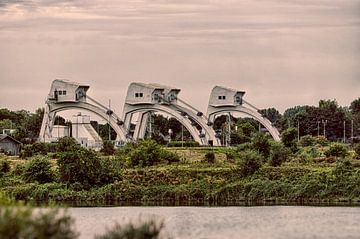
{"x": 66, "y": 95}
{"x": 145, "y": 99}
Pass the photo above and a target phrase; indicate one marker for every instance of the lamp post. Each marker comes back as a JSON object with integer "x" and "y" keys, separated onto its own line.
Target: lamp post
{"x": 324, "y": 125}
{"x": 318, "y": 128}
{"x": 344, "y": 135}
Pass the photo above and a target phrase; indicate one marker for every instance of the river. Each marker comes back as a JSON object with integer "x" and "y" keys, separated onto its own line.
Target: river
{"x": 229, "y": 222}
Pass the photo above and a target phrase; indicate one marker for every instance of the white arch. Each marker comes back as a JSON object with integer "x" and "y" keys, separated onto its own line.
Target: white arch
{"x": 53, "y": 108}
{"x": 214, "y": 111}
{"x": 174, "y": 111}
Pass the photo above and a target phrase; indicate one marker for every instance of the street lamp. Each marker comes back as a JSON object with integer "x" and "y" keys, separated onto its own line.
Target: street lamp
{"x": 324, "y": 124}
{"x": 318, "y": 128}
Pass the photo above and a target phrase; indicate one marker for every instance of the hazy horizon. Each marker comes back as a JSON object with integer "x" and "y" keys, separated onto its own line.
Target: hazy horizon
{"x": 282, "y": 53}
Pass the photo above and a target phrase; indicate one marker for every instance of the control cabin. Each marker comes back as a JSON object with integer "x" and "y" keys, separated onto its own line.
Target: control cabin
{"x": 67, "y": 91}
{"x": 222, "y": 96}
{"x": 141, "y": 93}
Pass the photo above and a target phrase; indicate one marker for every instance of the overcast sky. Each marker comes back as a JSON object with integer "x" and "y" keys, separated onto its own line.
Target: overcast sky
{"x": 281, "y": 52}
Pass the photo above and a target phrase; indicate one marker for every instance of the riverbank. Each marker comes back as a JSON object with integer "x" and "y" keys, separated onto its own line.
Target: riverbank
{"x": 195, "y": 181}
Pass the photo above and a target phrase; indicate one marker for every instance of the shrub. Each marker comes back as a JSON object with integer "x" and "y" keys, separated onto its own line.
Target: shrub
{"x": 82, "y": 166}
{"x": 307, "y": 140}
{"x": 168, "y": 156}
{"x": 261, "y": 143}
{"x": 343, "y": 167}
{"x": 278, "y": 154}
{"x": 108, "y": 148}
{"x": 357, "y": 150}
{"x": 145, "y": 230}
{"x": 288, "y": 137}
{"x": 146, "y": 153}
{"x": 39, "y": 169}
{"x": 321, "y": 140}
{"x": 26, "y": 151}
{"x": 85, "y": 167}
{"x": 4, "y": 166}
{"x": 249, "y": 162}
{"x": 209, "y": 157}
{"x": 337, "y": 150}
{"x": 23, "y": 222}
{"x": 183, "y": 144}
{"x": 67, "y": 144}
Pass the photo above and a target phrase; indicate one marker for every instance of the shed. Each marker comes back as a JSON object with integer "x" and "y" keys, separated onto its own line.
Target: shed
{"x": 9, "y": 145}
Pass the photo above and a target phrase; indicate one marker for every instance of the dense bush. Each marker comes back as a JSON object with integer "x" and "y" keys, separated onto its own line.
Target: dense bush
{"x": 26, "y": 151}
{"x": 337, "y": 150}
{"x": 85, "y": 167}
{"x": 4, "y": 166}
{"x": 289, "y": 138}
{"x": 307, "y": 140}
{"x": 183, "y": 144}
{"x": 108, "y": 148}
{"x": 39, "y": 169}
{"x": 22, "y": 222}
{"x": 145, "y": 230}
{"x": 209, "y": 157}
{"x": 67, "y": 144}
{"x": 249, "y": 162}
{"x": 321, "y": 140}
{"x": 278, "y": 154}
{"x": 357, "y": 150}
{"x": 146, "y": 153}
{"x": 261, "y": 143}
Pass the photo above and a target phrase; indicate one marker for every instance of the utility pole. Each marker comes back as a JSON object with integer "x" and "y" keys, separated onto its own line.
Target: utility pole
{"x": 344, "y": 139}
{"x": 318, "y": 128}
{"x": 298, "y": 130}
{"x": 324, "y": 124}
{"x": 182, "y": 135}
{"x": 229, "y": 130}
{"x": 150, "y": 125}
{"x": 109, "y": 123}
{"x": 352, "y": 131}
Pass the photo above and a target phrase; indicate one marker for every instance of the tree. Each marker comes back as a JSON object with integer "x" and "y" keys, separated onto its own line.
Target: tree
{"x": 289, "y": 137}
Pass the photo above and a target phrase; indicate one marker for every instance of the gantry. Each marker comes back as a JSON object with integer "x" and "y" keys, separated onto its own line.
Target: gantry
{"x": 144, "y": 99}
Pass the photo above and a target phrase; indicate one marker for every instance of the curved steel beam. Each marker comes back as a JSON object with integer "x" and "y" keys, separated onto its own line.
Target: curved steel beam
{"x": 57, "y": 107}
{"x": 129, "y": 110}
{"x": 213, "y": 111}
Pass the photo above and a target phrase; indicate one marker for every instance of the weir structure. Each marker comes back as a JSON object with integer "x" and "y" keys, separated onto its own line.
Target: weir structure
{"x": 226, "y": 101}
{"x": 66, "y": 95}
{"x": 144, "y": 99}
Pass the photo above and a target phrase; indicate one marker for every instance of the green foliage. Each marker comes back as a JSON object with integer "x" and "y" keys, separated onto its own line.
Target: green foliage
{"x": 145, "y": 230}
{"x": 85, "y": 167}
{"x": 249, "y": 162}
{"x": 278, "y": 154}
{"x": 108, "y": 148}
{"x": 39, "y": 169}
{"x": 4, "y": 166}
{"x": 67, "y": 144}
{"x": 343, "y": 167}
{"x": 27, "y": 151}
{"x": 209, "y": 157}
{"x": 357, "y": 150}
{"x": 321, "y": 140}
{"x": 23, "y": 222}
{"x": 261, "y": 143}
{"x": 183, "y": 144}
{"x": 337, "y": 150}
{"x": 146, "y": 153}
{"x": 289, "y": 137}
{"x": 307, "y": 140}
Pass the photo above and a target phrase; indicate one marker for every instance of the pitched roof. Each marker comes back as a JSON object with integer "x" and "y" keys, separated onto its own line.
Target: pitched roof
{"x": 4, "y": 136}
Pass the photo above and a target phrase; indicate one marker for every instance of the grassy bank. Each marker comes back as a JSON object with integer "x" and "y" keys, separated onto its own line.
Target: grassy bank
{"x": 193, "y": 179}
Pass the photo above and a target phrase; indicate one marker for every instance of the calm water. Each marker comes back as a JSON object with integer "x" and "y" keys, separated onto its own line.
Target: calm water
{"x": 229, "y": 222}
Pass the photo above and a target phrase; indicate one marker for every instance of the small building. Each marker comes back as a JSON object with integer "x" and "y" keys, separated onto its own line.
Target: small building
{"x": 142, "y": 93}
{"x": 9, "y": 145}
{"x": 222, "y": 96}
{"x": 67, "y": 91}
